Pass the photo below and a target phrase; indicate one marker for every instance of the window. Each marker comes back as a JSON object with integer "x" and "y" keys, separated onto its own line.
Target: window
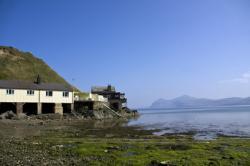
{"x": 65, "y": 94}
{"x": 49, "y": 93}
{"x": 10, "y": 92}
{"x": 30, "y": 92}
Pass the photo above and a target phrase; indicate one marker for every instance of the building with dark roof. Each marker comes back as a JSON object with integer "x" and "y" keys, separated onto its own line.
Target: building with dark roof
{"x": 18, "y": 84}
{"x": 35, "y": 97}
{"x": 116, "y": 100}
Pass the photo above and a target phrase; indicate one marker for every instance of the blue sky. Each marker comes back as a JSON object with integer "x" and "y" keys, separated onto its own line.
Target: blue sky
{"x": 149, "y": 49}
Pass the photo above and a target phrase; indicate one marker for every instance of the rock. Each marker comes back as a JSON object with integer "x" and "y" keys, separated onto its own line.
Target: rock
{"x": 50, "y": 116}
{"x": 57, "y": 148}
{"x": 113, "y": 148}
{"x": 8, "y": 115}
{"x": 35, "y": 143}
{"x": 162, "y": 163}
{"x": 22, "y": 116}
{"x": 228, "y": 157}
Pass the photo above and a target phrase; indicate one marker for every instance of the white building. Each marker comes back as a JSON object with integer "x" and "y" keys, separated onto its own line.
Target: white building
{"x": 37, "y": 98}
{"x": 90, "y": 97}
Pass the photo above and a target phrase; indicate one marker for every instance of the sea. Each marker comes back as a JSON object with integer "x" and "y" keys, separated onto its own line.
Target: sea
{"x": 204, "y": 123}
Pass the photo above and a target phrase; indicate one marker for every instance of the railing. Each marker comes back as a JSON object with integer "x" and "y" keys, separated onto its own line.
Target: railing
{"x": 111, "y": 110}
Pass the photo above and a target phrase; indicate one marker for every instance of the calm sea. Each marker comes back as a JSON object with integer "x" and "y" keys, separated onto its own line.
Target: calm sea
{"x": 206, "y": 123}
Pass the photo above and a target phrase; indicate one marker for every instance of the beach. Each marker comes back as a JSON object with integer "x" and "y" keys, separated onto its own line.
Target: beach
{"x": 111, "y": 142}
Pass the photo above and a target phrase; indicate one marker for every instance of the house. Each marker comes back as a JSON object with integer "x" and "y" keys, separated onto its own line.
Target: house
{"x": 116, "y": 100}
{"x": 35, "y": 97}
{"x": 89, "y": 101}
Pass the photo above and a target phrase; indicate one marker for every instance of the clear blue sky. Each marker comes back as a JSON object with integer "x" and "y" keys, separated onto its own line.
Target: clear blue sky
{"x": 149, "y": 49}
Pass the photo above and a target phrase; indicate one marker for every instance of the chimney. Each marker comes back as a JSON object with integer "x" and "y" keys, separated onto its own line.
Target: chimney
{"x": 38, "y": 79}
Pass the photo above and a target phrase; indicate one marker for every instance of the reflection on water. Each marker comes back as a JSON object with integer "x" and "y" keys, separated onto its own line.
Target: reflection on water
{"x": 207, "y": 123}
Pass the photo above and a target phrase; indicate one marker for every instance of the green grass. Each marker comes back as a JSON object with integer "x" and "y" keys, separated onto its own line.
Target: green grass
{"x": 82, "y": 95}
{"x": 18, "y": 65}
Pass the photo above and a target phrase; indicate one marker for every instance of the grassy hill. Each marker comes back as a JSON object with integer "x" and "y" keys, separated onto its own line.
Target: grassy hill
{"x": 19, "y": 65}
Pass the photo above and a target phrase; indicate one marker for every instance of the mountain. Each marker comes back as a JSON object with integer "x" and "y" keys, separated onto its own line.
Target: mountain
{"x": 19, "y": 65}
{"x": 192, "y": 102}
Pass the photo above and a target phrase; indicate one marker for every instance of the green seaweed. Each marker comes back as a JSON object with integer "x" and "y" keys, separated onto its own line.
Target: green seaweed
{"x": 178, "y": 151}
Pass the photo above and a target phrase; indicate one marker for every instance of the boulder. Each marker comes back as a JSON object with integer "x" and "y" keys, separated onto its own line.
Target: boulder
{"x": 8, "y": 115}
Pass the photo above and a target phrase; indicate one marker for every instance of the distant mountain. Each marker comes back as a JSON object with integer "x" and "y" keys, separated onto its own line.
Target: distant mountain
{"x": 186, "y": 101}
{"x": 19, "y": 65}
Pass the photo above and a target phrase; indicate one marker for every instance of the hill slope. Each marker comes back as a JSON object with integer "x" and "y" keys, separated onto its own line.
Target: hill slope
{"x": 18, "y": 65}
{"x": 192, "y": 102}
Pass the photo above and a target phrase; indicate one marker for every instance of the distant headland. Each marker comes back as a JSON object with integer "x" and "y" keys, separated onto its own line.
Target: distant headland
{"x": 186, "y": 101}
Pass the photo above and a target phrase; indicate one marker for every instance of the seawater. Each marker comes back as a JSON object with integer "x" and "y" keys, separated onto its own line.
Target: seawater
{"x": 205, "y": 123}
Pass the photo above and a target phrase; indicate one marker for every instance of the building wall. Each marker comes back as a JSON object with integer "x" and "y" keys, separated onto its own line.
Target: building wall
{"x": 21, "y": 96}
{"x": 56, "y": 98}
{"x": 18, "y": 96}
{"x": 96, "y": 97}
{"x": 92, "y": 97}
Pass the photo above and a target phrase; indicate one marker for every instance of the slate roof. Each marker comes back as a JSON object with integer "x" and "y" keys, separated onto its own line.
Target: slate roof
{"x": 18, "y": 84}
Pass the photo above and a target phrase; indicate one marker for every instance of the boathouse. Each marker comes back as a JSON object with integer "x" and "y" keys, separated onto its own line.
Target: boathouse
{"x": 35, "y": 97}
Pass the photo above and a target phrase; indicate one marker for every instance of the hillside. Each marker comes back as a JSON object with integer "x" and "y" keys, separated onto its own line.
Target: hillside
{"x": 19, "y": 65}
{"x": 192, "y": 102}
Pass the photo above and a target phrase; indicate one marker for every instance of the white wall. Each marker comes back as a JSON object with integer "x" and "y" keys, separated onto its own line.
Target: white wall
{"x": 56, "y": 98}
{"x": 90, "y": 96}
{"x": 21, "y": 96}
{"x": 18, "y": 96}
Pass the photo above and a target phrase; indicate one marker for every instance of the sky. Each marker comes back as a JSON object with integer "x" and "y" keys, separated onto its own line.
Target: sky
{"x": 149, "y": 49}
